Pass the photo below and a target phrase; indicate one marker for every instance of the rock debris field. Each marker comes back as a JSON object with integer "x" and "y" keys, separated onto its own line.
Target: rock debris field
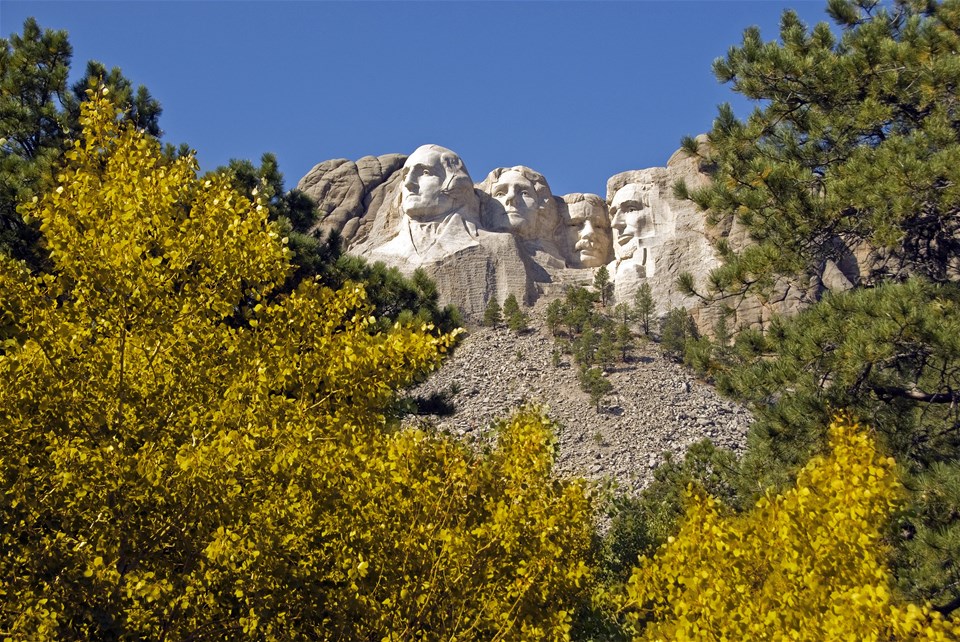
{"x": 656, "y": 405}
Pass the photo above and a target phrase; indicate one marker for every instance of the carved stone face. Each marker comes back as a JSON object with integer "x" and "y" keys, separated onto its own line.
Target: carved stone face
{"x": 630, "y": 219}
{"x": 589, "y": 232}
{"x": 422, "y": 194}
{"x": 519, "y": 199}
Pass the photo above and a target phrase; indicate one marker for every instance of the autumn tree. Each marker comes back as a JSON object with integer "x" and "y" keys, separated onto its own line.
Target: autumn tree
{"x": 809, "y": 563}
{"x": 33, "y": 89}
{"x": 39, "y": 114}
{"x": 185, "y": 455}
{"x": 139, "y": 108}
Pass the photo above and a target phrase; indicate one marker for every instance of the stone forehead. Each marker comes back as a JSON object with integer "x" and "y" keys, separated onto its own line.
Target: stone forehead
{"x": 507, "y": 174}
{"x": 534, "y": 177}
{"x": 425, "y": 151}
{"x": 631, "y": 192}
{"x": 592, "y": 209}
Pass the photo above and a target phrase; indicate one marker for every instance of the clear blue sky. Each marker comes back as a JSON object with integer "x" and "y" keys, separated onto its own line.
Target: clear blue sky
{"x": 576, "y": 90}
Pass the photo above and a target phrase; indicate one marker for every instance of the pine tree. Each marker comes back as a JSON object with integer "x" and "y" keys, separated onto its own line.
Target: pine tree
{"x": 812, "y": 173}
{"x": 602, "y": 284}
{"x": 815, "y": 176}
{"x": 295, "y": 213}
{"x": 624, "y": 340}
{"x": 554, "y": 316}
{"x": 606, "y": 353}
{"x": 595, "y": 384}
{"x": 492, "y": 316}
{"x": 676, "y": 330}
{"x": 585, "y": 347}
{"x": 645, "y": 307}
{"x": 890, "y": 355}
{"x": 39, "y": 115}
{"x": 33, "y": 91}
{"x": 139, "y": 108}
{"x": 516, "y": 318}
{"x": 579, "y": 310}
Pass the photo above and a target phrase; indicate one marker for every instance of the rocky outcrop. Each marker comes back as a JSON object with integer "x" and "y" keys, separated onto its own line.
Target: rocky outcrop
{"x": 344, "y": 190}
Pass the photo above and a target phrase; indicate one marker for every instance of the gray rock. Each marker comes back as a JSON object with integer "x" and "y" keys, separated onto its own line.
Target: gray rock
{"x": 341, "y": 189}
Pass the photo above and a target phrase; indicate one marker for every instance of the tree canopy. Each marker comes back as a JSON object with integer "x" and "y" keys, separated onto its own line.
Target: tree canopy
{"x": 850, "y": 159}
{"x": 853, "y": 146}
{"x": 185, "y": 455}
{"x": 808, "y": 563}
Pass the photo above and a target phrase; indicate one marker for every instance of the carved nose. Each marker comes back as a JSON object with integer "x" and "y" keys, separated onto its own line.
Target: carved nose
{"x": 409, "y": 183}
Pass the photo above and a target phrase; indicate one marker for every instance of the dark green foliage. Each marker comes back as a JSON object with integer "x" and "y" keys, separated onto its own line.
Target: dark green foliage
{"x": 644, "y": 307}
{"x": 517, "y": 320}
{"x": 395, "y": 297}
{"x": 721, "y": 331}
{"x": 607, "y": 347}
{"x": 624, "y": 340}
{"x": 577, "y": 310}
{"x": 439, "y": 403}
{"x": 676, "y": 329}
{"x": 641, "y": 524}
{"x": 294, "y": 211}
{"x": 854, "y": 146}
{"x": 595, "y": 384}
{"x": 602, "y": 284}
{"x": 555, "y": 357}
{"x": 139, "y": 107}
{"x": 33, "y": 92}
{"x": 554, "y": 316}
{"x": 891, "y": 354}
{"x": 492, "y": 316}
{"x": 708, "y": 357}
{"x": 854, "y": 141}
{"x": 591, "y": 337}
{"x": 585, "y": 347}
{"x": 38, "y": 116}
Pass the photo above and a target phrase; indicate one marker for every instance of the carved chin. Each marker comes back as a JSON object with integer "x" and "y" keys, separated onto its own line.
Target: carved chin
{"x": 521, "y": 226}
{"x": 625, "y": 249}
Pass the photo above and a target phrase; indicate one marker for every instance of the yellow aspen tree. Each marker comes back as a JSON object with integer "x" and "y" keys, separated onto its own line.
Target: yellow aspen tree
{"x": 187, "y": 454}
{"x": 809, "y": 564}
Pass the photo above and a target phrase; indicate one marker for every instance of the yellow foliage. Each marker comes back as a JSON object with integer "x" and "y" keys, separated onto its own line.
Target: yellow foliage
{"x": 185, "y": 454}
{"x": 805, "y": 565}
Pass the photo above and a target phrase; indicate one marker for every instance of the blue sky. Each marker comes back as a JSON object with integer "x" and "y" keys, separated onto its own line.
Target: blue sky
{"x": 576, "y": 90}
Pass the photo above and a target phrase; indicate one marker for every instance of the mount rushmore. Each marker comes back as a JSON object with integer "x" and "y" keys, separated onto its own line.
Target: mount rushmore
{"x": 509, "y": 234}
